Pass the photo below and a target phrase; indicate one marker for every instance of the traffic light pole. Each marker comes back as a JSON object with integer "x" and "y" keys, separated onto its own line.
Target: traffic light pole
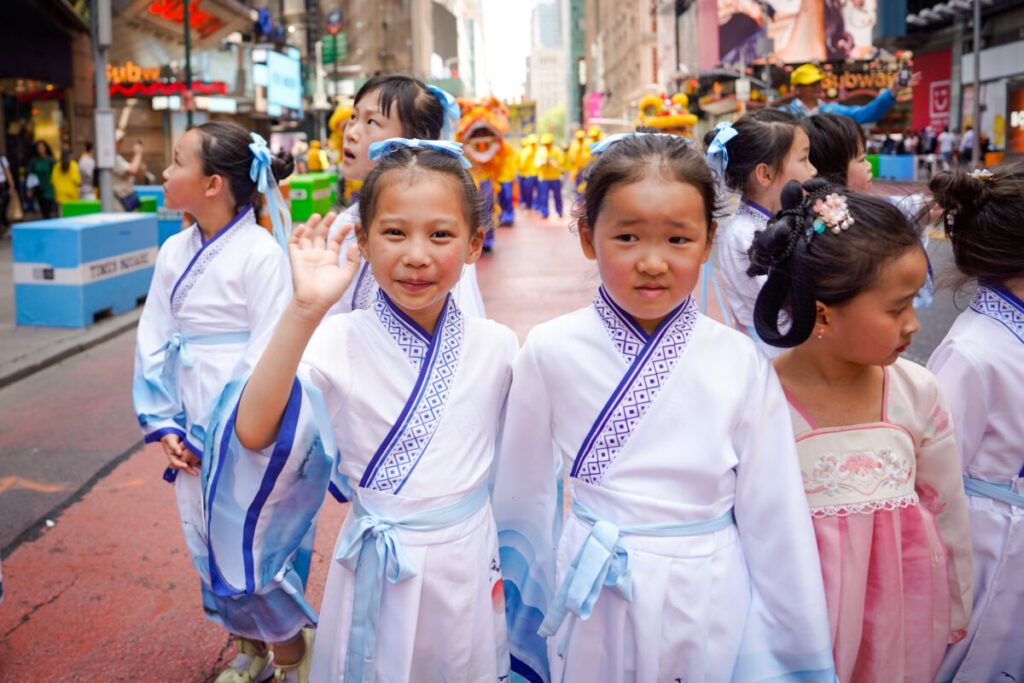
{"x": 188, "y": 68}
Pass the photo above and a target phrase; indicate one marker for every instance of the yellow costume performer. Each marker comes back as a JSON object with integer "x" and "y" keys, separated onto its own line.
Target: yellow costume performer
{"x": 339, "y": 119}
{"x": 481, "y": 131}
{"x": 550, "y": 163}
{"x": 527, "y": 172}
{"x": 668, "y": 115}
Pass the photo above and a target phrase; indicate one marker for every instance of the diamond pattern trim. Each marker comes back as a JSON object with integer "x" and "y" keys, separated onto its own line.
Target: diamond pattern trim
{"x": 1000, "y": 306}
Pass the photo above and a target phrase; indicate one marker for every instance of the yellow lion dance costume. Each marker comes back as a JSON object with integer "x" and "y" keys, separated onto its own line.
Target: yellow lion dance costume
{"x": 667, "y": 114}
{"x": 482, "y": 130}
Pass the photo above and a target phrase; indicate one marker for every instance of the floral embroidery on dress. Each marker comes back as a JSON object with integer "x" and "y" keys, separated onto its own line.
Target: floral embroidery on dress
{"x": 938, "y": 422}
{"x": 932, "y": 499}
{"x": 865, "y": 473}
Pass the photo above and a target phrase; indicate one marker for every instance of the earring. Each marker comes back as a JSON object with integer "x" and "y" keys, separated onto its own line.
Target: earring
{"x": 820, "y": 333}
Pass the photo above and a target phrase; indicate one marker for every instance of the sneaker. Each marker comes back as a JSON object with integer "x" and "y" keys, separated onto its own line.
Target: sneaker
{"x": 254, "y": 663}
{"x": 298, "y": 672}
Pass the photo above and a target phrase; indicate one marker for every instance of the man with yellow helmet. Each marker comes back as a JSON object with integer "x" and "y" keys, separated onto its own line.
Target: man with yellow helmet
{"x": 550, "y": 162}
{"x": 806, "y": 83}
{"x": 527, "y": 172}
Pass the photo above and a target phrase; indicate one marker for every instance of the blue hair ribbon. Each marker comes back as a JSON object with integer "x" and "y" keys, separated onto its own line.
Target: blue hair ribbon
{"x": 717, "y": 155}
{"x": 452, "y": 111}
{"x": 602, "y": 144}
{"x": 386, "y": 147}
{"x": 261, "y": 173}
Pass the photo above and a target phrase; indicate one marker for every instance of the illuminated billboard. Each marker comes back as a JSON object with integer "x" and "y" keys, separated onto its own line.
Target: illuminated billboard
{"x": 800, "y": 30}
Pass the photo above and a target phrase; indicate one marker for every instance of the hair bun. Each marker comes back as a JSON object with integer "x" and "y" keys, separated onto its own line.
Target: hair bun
{"x": 792, "y": 195}
{"x": 282, "y": 165}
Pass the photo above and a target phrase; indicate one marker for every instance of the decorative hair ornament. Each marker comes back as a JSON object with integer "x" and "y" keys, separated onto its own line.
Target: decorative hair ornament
{"x": 833, "y": 213}
{"x": 452, "y": 111}
{"x": 951, "y": 217}
{"x": 717, "y": 155}
{"x": 983, "y": 174}
{"x": 602, "y": 144}
{"x": 386, "y": 147}
{"x": 261, "y": 172}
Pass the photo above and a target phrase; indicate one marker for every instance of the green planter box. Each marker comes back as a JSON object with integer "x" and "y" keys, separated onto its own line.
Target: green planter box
{"x": 322, "y": 192}
{"x": 301, "y": 197}
{"x": 873, "y": 160}
{"x": 147, "y": 204}
{"x": 80, "y": 207}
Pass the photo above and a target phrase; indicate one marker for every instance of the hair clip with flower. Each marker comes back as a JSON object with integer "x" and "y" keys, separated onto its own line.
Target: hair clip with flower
{"x": 833, "y": 213}
{"x": 983, "y": 174}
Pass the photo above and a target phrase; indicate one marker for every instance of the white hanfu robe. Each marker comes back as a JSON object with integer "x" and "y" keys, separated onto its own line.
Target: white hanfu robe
{"x": 414, "y": 592}
{"x": 980, "y": 365}
{"x": 686, "y": 495}
{"x": 740, "y": 289}
{"x": 363, "y": 291}
{"x": 211, "y": 309}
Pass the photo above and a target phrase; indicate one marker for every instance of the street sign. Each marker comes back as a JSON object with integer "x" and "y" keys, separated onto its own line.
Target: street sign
{"x": 742, "y": 89}
{"x": 335, "y": 48}
{"x": 334, "y": 21}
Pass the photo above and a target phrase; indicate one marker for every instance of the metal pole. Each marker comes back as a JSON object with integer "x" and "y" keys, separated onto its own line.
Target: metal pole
{"x": 103, "y": 115}
{"x": 976, "y": 114}
{"x": 188, "y": 68}
{"x": 956, "y": 115}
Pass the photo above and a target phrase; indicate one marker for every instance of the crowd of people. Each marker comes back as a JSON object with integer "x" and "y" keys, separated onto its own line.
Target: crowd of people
{"x": 786, "y": 500}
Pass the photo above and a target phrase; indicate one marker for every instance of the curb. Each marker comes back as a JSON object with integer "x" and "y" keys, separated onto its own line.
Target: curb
{"x": 30, "y": 364}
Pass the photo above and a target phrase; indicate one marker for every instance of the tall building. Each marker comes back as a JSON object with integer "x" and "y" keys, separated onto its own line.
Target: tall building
{"x": 621, "y": 53}
{"x": 547, "y": 65}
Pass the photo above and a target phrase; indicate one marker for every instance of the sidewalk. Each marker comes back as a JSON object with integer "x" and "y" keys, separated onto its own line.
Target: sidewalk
{"x": 25, "y": 350}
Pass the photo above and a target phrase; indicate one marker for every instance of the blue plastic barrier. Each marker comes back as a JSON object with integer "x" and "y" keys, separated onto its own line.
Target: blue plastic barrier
{"x": 896, "y": 166}
{"x": 168, "y": 221}
{"x": 70, "y": 271}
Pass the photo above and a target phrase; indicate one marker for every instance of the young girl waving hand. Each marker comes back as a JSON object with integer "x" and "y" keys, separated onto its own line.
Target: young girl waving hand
{"x": 218, "y": 290}
{"x": 688, "y": 553}
{"x": 876, "y": 448}
{"x": 756, "y": 157}
{"x": 391, "y": 106}
{"x": 980, "y": 365}
{"x": 400, "y": 402}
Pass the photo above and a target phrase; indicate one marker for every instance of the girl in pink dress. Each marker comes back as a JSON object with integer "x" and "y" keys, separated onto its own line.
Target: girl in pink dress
{"x": 878, "y": 455}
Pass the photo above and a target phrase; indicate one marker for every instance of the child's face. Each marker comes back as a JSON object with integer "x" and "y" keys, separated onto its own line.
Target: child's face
{"x": 649, "y": 240}
{"x": 418, "y": 242}
{"x": 797, "y": 166}
{"x": 875, "y": 327}
{"x": 183, "y": 179}
{"x": 368, "y": 124}
{"x": 858, "y": 173}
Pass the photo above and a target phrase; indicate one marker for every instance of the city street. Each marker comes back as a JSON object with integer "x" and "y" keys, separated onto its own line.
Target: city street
{"x": 97, "y": 582}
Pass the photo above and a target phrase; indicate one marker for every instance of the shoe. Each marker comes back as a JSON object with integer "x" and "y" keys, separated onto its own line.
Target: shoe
{"x": 254, "y": 663}
{"x": 298, "y": 672}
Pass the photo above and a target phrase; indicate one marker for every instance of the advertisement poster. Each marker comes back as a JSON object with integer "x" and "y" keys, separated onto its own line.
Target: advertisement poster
{"x": 993, "y": 112}
{"x": 801, "y": 30}
{"x": 931, "y": 102}
{"x": 1015, "y": 130}
{"x": 522, "y": 121}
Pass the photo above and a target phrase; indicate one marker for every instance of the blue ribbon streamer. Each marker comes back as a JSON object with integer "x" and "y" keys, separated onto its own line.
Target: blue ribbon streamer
{"x": 386, "y": 147}
{"x": 602, "y": 144}
{"x": 261, "y": 173}
{"x": 717, "y": 155}
{"x": 452, "y": 111}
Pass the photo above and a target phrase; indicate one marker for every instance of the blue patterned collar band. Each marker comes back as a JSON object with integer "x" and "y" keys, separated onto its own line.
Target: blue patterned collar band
{"x": 603, "y": 144}
{"x": 261, "y": 172}
{"x": 1002, "y": 306}
{"x": 452, "y": 111}
{"x": 386, "y": 147}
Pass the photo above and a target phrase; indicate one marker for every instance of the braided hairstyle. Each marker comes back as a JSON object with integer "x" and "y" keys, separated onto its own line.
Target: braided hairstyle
{"x": 984, "y": 220}
{"x": 804, "y": 267}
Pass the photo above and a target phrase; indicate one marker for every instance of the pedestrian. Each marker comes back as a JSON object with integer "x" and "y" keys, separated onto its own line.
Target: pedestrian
{"x": 876, "y": 446}
{"x": 756, "y": 156}
{"x": 980, "y": 365}
{"x": 7, "y": 186}
{"x": 123, "y": 176}
{"x": 946, "y": 147}
{"x": 675, "y": 560}
{"x": 37, "y": 182}
{"x": 417, "y": 435}
{"x": 87, "y": 169}
{"x": 837, "y": 151}
{"x": 390, "y": 106}
{"x": 550, "y": 163}
{"x": 65, "y": 179}
{"x": 218, "y": 290}
{"x": 967, "y": 146}
{"x": 806, "y": 81}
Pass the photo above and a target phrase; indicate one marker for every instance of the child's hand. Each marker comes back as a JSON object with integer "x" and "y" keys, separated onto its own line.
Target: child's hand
{"x": 317, "y": 279}
{"x": 180, "y": 457}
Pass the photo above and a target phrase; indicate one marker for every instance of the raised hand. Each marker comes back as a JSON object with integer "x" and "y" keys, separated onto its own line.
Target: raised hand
{"x": 317, "y": 279}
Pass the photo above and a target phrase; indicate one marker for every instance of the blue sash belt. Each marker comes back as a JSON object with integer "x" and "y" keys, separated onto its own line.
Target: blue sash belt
{"x": 988, "y": 489}
{"x": 601, "y": 561}
{"x": 371, "y": 549}
{"x": 175, "y": 350}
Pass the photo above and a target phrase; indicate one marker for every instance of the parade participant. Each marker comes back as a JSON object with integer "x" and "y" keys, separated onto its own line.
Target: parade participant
{"x": 838, "y": 152}
{"x": 348, "y": 190}
{"x": 217, "y": 293}
{"x": 806, "y": 82}
{"x": 980, "y": 365}
{"x": 398, "y": 405}
{"x": 482, "y": 130}
{"x": 668, "y": 115}
{"x": 875, "y": 441}
{"x": 550, "y": 163}
{"x": 528, "y": 189}
{"x": 677, "y": 559}
{"x": 390, "y": 106}
{"x": 756, "y": 156}
{"x": 316, "y": 157}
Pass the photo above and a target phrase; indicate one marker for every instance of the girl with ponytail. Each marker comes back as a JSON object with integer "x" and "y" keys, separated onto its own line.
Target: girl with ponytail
{"x": 980, "y": 364}
{"x": 877, "y": 452}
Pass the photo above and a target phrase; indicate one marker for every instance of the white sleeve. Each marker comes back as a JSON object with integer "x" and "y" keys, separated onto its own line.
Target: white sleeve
{"x": 966, "y": 388}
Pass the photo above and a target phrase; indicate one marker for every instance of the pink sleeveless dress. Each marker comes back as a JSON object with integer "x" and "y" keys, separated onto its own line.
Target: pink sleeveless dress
{"x": 890, "y": 516}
